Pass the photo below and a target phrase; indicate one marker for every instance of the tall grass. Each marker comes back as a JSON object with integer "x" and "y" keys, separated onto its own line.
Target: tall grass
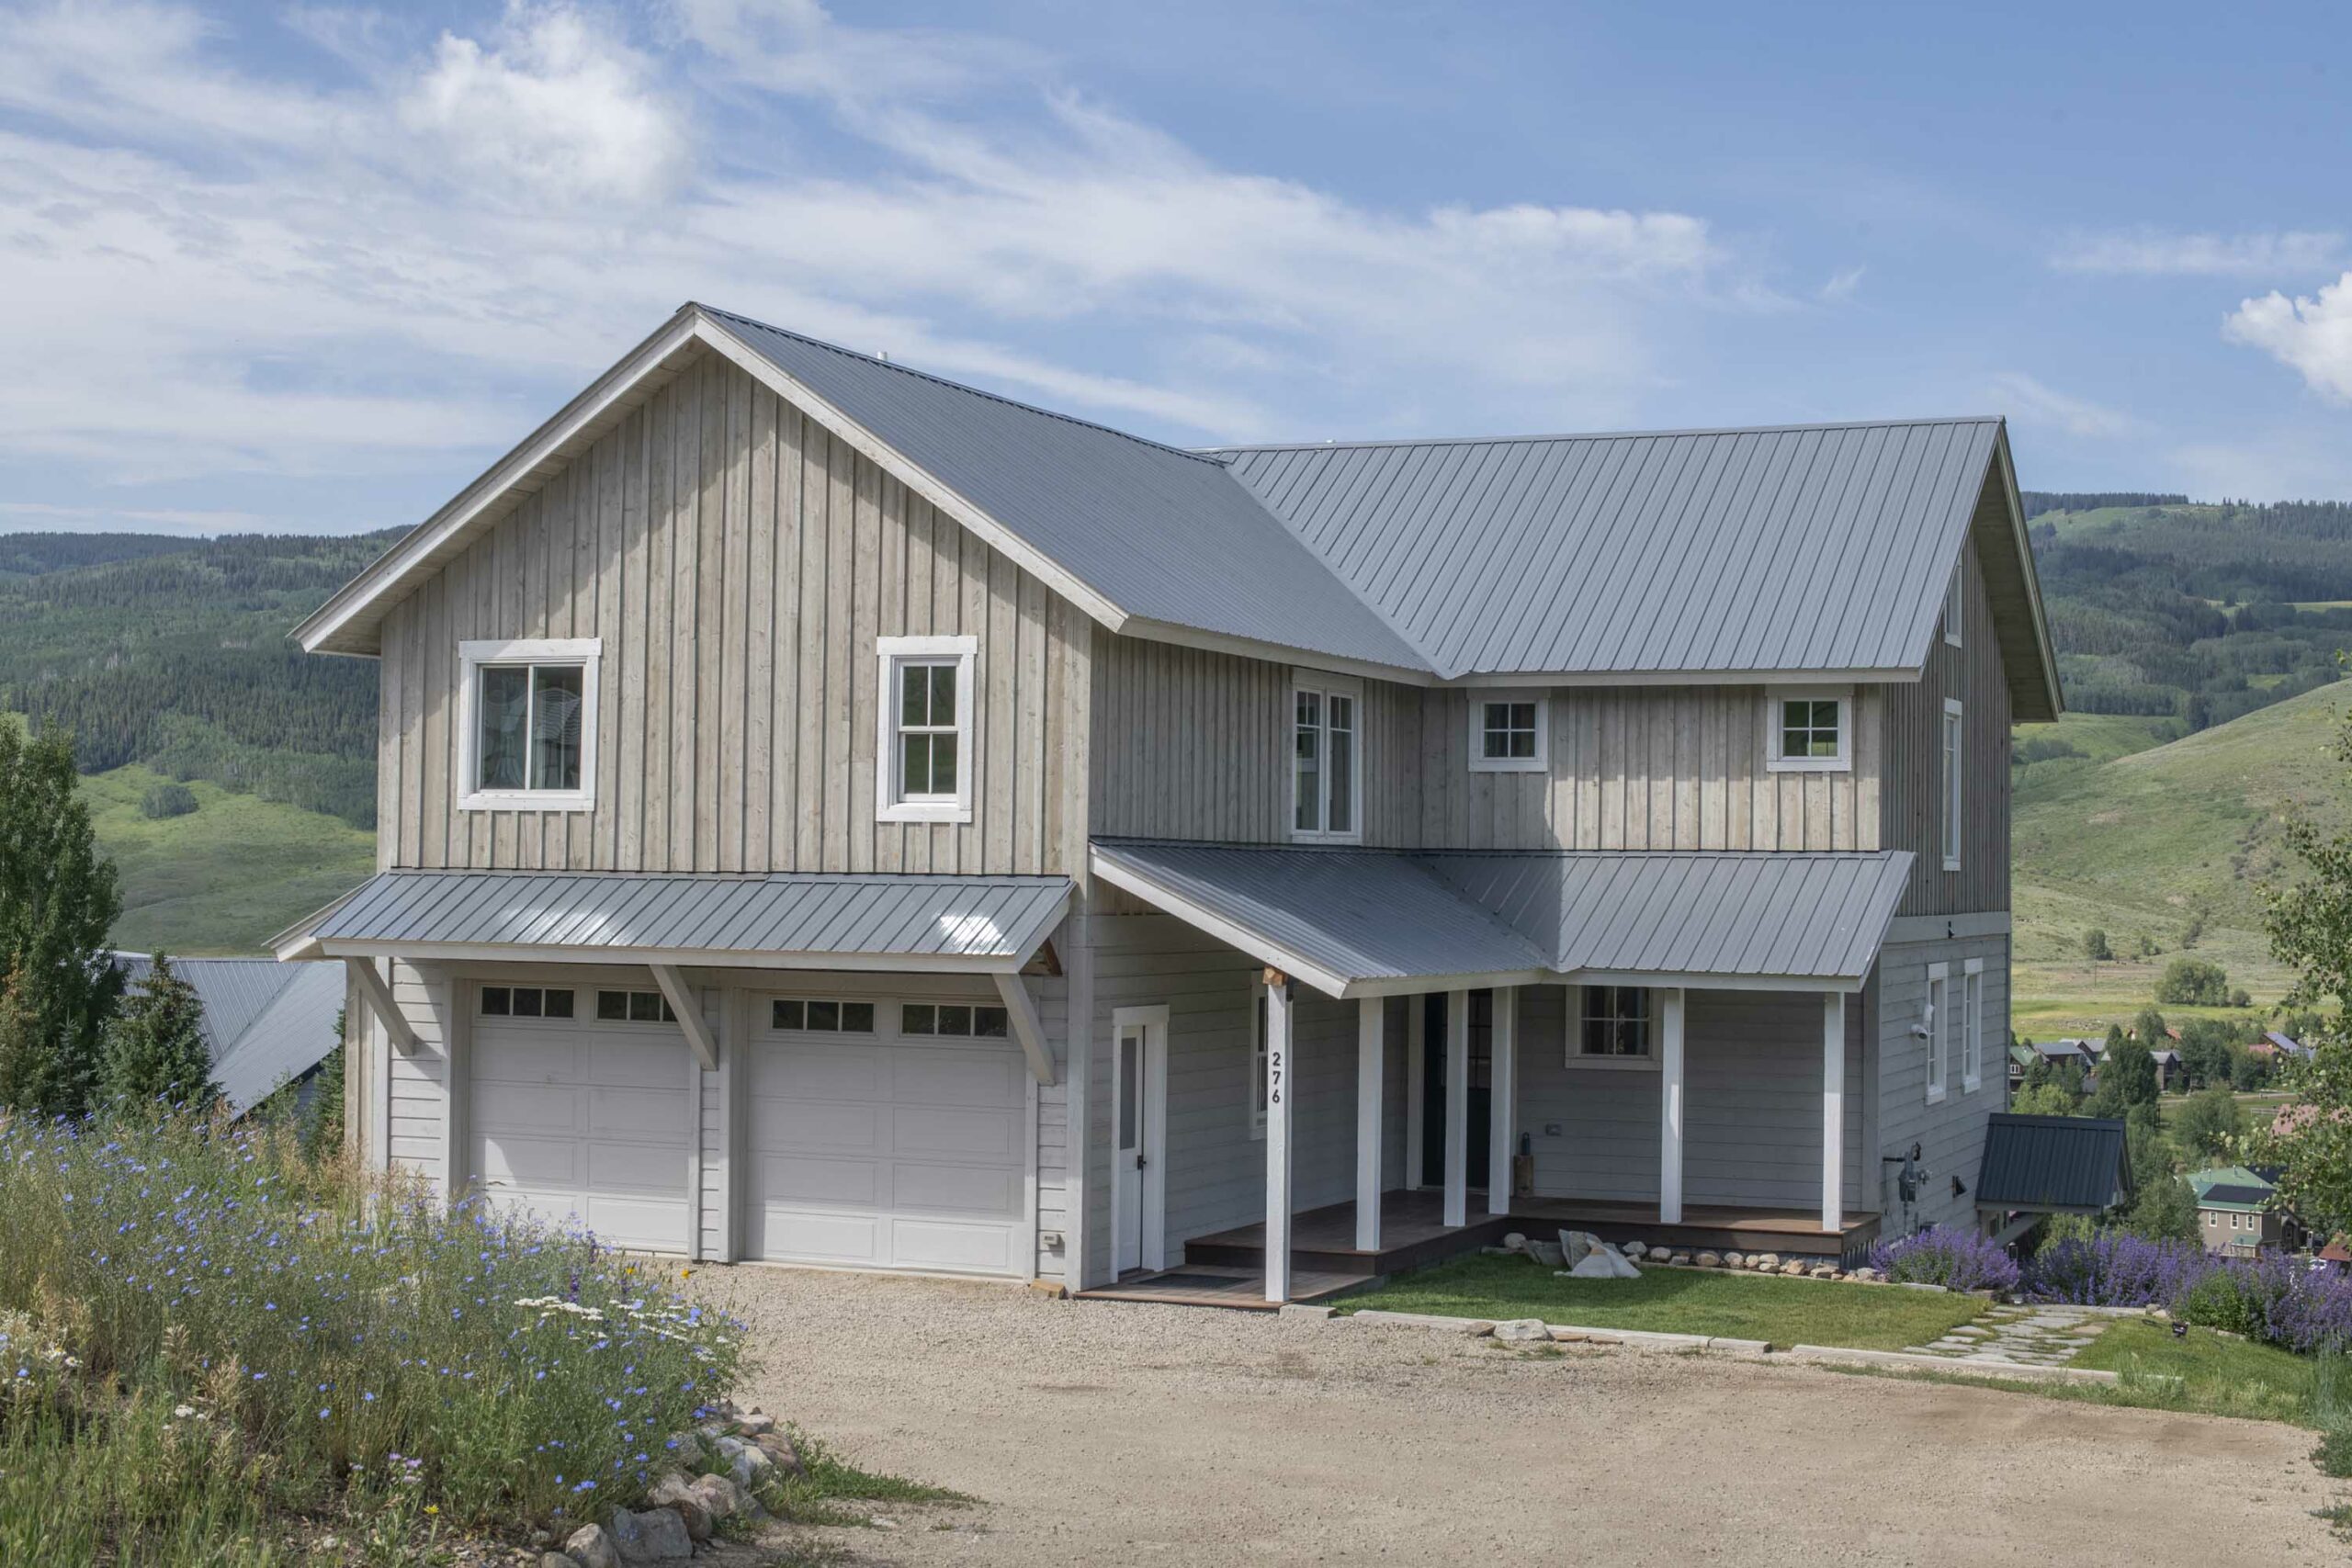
{"x": 198, "y": 1322}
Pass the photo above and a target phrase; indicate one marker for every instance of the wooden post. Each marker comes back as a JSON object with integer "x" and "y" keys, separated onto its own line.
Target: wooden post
{"x": 1417, "y": 1018}
{"x": 1669, "y": 1106}
{"x": 1278, "y": 1099}
{"x": 1502, "y": 1100}
{"x": 1457, "y": 1108}
{"x": 1372, "y": 1017}
{"x": 1833, "y": 1112}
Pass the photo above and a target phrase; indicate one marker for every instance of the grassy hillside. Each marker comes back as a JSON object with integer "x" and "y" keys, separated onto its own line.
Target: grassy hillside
{"x": 225, "y": 877}
{"x": 2171, "y": 842}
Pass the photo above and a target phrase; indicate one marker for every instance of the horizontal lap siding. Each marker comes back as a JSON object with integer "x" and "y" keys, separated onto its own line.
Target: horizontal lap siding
{"x": 418, "y": 1097}
{"x": 738, "y": 564}
{"x": 1052, "y": 996}
{"x": 1950, "y": 1135}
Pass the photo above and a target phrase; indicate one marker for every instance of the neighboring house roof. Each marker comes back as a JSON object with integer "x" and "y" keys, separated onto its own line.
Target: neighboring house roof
{"x": 2230, "y": 1196}
{"x": 2235, "y": 1180}
{"x": 2291, "y": 1045}
{"x": 2062, "y": 1050}
{"x": 1817, "y": 551}
{"x": 2079, "y": 1164}
{"x": 2024, "y": 1055}
{"x": 264, "y": 1023}
{"x": 1359, "y": 922}
{"x": 971, "y": 923}
{"x": 2336, "y": 1250}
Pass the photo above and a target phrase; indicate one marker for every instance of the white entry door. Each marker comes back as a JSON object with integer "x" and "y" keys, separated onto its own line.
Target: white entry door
{"x": 1139, "y": 1131}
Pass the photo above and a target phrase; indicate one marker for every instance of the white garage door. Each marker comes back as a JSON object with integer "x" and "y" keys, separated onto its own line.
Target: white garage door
{"x": 874, "y": 1147}
{"x": 576, "y": 1119}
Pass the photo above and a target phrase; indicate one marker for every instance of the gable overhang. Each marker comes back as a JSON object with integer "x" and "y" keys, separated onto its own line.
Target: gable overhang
{"x": 2013, "y": 591}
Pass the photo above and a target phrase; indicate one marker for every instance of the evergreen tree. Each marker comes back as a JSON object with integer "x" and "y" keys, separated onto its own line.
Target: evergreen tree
{"x": 2129, "y": 1071}
{"x": 154, "y": 1044}
{"x": 58, "y": 901}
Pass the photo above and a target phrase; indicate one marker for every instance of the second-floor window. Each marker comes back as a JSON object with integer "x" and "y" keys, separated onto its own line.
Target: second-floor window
{"x": 1938, "y": 1023}
{"x": 1809, "y": 730}
{"x": 1324, "y": 774}
{"x": 529, "y": 727}
{"x": 1952, "y": 780}
{"x": 923, "y": 755}
{"x": 1507, "y": 733}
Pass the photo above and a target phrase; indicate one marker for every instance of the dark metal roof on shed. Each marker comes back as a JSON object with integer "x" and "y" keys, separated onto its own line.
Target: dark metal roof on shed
{"x": 2077, "y": 1164}
{"x": 788, "y": 921}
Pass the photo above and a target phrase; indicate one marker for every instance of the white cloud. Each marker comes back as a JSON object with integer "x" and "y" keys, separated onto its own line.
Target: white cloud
{"x": 2149, "y": 251}
{"x": 2311, "y": 335}
{"x": 1842, "y": 285}
{"x": 2031, "y": 399}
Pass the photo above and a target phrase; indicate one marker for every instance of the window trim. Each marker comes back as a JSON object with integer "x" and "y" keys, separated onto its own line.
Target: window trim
{"x": 1938, "y": 1021}
{"x": 1573, "y": 1050}
{"x": 1254, "y": 1092}
{"x": 1972, "y": 1040}
{"x": 1956, "y": 600}
{"x": 1774, "y": 762}
{"x": 1952, "y": 742}
{"x": 889, "y": 805}
{"x": 1482, "y": 763}
{"x": 473, "y": 657}
{"x": 1325, "y": 686}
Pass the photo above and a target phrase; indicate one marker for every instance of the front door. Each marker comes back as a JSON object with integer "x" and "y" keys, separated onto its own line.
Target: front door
{"x": 1138, "y": 1092}
{"x": 1435, "y": 1087}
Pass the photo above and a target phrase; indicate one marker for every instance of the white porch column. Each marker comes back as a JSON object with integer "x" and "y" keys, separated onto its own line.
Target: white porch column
{"x": 1669, "y": 1106}
{"x": 1502, "y": 1100}
{"x": 1278, "y": 1080}
{"x": 1833, "y": 1112}
{"x": 1372, "y": 1018}
{"x": 1416, "y": 1019}
{"x": 1457, "y": 1108}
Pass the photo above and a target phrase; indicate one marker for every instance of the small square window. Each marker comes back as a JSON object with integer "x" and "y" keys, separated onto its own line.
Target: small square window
{"x": 1616, "y": 1024}
{"x": 1508, "y": 733}
{"x": 790, "y": 1013}
{"x": 991, "y": 1023}
{"x": 527, "y": 1001}
{"x": 497, "y": 1002}
{"x": 1809, "y": 731}
{"x": 559, "y": 1004}
{"x": 825, "y": 1017}
{"x": 528, "y": 728}
{"x": 857, "y": 1017}
{"x": 612, "y": 1007}
{"x": 918, "y": 1018}
{"x": 955, "y": 1021}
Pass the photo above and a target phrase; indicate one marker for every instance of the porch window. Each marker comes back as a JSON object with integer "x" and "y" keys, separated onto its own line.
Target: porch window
{"x": 1951, "y": 785}
{"x": 1616, "y": 1025}
{"x": 1938, "y": 1026}
{"x": 528, "y": 731}
{"x": 634, "y": 1007}
{"x": 1972, "y": 1040}
{"x": 819, "y": 1015}
{"x": 1257, "y": 1063}
{"x": 525, "y": 1001}
{"x": 1809, "y": 730}
{"x": 1507, "y": 734}
{"x": 923, "y": 754}
{"x": 1323, "y": 776}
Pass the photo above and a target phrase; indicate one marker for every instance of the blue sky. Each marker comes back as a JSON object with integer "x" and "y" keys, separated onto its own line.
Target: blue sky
{"x": 313, "y": 268}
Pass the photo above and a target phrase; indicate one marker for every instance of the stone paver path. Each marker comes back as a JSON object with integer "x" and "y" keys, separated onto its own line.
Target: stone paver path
{"x": 2039, "y": 1335}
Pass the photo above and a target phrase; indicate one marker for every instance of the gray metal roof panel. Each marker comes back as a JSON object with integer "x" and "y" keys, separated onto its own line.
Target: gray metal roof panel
{"x": 233, "y": 991}
{"x": 967, "y": 916}
{"x": 1161, "y": 532}
{"x": 1792, "y": 548}
{"x": 293, "y": 1035}
{"x": 2053, "y": 1162}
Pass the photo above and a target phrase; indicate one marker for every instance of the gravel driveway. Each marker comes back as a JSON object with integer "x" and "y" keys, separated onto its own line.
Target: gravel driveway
{"x": 1112, "y": 1433}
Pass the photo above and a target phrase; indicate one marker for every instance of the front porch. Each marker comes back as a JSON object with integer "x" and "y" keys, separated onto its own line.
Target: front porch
{"x": 1229, "y": 1267}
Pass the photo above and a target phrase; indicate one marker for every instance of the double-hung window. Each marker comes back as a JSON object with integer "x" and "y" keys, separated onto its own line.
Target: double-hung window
{"x": 1952, "y": 776}
{"x": 1972, "y": 1042}
{"x": 923, "y": 754}
{"x": 1809, "y": 730}
{"x": 1508, "y": 732}
{"x": 527, "y": 731}
{"x": 1613, "y": 1028}
{"x": 1324, "y": 772}
{"x": 1939, "y": 1027}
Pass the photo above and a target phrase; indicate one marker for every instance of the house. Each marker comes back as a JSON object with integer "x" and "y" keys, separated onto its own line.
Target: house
{"x": 2022, "y": 1058}
{"x": 2038, "y": 1165}
{"x": 2275, "y": 1047}
{"x": 2237, "y": 1211}
{"x": 2168, "y": 1070}
{"x": 267, "y": 1025}
{"x": 835, "y": 815}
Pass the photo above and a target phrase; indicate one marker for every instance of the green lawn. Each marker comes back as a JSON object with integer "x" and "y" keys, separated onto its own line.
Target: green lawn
{"x": 1678, "y": 1301}
{"x": 2206, "y": 1373}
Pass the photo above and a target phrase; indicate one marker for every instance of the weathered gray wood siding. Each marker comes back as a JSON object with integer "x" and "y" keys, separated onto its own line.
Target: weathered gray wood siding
{"x": 1949, "y": 1132}
{"x": 1195, "y": 745}
{"x": 1913, "y": 800}
{"x": 739, "y": 563}
{"x": 1751, "y": 1098}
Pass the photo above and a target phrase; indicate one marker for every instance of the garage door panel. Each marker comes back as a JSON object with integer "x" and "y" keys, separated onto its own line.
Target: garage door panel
{"x": 639, "y": 1113}
{"x": 954, "y": 1190}
{"x": 636, "y": 1167}
{"x": 821, "y": 1238}
{"x": 646, "y": 1223}
{"x": 925, "y": 1129}
{"x": 788, "y": 1126}
{"x": 537, "y": 1060}
{"x": 928, "y": 1244}
{"x": 628, "y": 1062}
{"x": 798, "y": 1179}
{"x": 803, "y": 1071}
{"x": 525, "y": 1108}
{"x": 929, "y": 1077}
{"x": 506, "y": 1159}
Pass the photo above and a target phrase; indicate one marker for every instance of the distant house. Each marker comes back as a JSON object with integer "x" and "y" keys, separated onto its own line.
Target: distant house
{"x": 266, "y": 1024}
{"x": 2168, "y": 1068}
{"x": 2274, "y": 1047}
{"x": 2021, "y": 1061}
{"x": 2237, "y": 1212}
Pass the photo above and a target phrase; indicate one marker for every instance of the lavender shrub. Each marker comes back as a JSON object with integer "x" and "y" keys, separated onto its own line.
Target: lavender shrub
{"x": 1956, "y": 1260}
{"x": 2272, "y": 1297}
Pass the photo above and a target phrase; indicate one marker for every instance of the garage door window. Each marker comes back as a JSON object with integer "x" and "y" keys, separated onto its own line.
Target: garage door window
{"x": 968, "y": 1023}
{"x": 634, "y": 1007}
{"x": 525, "y": 1001}
{"x": 821, "y": 1015}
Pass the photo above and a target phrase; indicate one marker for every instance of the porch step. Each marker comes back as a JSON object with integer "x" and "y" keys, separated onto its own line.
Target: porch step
{"x": 1235, "y": 1250}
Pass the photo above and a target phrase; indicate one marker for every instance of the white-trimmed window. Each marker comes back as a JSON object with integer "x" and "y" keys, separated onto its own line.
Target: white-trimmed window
{"x": 923, "y": 755}
{"x": 1326, "y": 775}
{"x": 820, "y": 1015}
{"x": 1258, "y": 1061}
{"x": 1955, "y": 601}
{"x": 1613, "y": 1028}
{"x": 1938, "y": 1026}
{"x": 634, "y": 1007}
{"x": 958, "y": 1018}
{"x": 1508, "y": 732}
{"x": 1972, "y": 1040}
{"x": 525, "y": 1001}
{"x": 1951, "y": 835}
{"x": 1809, "y": 730}
{"x": 526, "y": 724}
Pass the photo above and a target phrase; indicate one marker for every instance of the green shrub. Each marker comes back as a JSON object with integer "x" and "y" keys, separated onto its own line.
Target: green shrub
{"x": 166, "y": 799}
{"x": 2193, "y": 982}
{"x": 2224, "y": 1299}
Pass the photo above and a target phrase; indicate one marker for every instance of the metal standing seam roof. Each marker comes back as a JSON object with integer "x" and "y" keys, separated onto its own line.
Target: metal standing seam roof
{"x": 1808, "y": 547}
{"x": 589, "y": 915}
{"x": 2053, "y": 1162}
{"x": 1365, "y": 917}
{"x": 262, "y": 1021}
{"x": 233, "y": 991}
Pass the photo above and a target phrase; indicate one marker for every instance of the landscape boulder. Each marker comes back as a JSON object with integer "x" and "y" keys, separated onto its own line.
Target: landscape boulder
{"x": 1523, "y": 1331}
{"x": 752, "y": 1423}
{"x": 725, "y": 1497}
{"x": 1710, "y": 1260}
{"x": 591, "y": 1546}
{"x": 657, "y": 1535}
{"x": 780, "y": 1452}
{"x": 1605, "y": 1263}
{"x": 1765, "y": 1260}
{"x": 677, "y": 1492}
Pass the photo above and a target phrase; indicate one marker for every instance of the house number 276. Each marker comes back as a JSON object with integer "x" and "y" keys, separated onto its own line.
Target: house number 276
{"x": 1274, "y": 1077}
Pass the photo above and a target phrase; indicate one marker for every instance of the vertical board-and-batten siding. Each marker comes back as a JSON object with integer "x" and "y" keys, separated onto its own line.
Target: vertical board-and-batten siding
{"x": 738, "y": 563}
{"x": 1196, "y": 744}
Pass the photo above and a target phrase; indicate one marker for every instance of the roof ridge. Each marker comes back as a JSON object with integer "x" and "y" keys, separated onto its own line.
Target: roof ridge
{"x": 1200, "y": 456}
{"x": 1780, "y": 429}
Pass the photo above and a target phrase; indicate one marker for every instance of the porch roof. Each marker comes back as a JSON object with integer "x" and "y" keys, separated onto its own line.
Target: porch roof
{"x": 975, "y": 924}
{"x": 1358, "y": 922}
